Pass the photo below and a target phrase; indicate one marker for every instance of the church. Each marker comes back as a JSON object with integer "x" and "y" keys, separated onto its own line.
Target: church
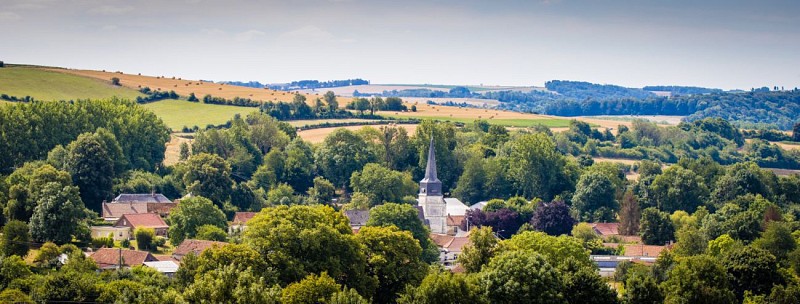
{"x": 435, "y": 207}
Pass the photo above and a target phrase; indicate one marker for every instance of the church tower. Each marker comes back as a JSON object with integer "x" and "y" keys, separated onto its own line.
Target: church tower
{"x": 430, "y": 196}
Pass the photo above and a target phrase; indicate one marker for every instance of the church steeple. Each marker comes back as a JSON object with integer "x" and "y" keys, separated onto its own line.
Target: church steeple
{"x": 430, "y": 185}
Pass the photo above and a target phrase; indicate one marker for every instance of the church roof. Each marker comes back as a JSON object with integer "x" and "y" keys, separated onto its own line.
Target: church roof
{"x": 430, "y": 170}
{"x": 455, "y": 206}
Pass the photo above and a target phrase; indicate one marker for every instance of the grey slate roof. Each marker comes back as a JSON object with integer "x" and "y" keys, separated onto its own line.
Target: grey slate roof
{"x": 141, "y": 198}
{"x": 357, "y": 217}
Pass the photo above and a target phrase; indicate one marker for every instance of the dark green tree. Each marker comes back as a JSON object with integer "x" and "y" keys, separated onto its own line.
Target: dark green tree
{"x": 59, "y": 214}
{"x": 777, "y": 239}
{"x": 330, "y": 100}
{"x": 678, "y": 189}
{"x": 752, "y": 269}
{"x": 594, "y": 198}
{"x": 481, "y": 248}
{"x": 538, "y": 169}
{"x": 405, "y": 217}
{"x": 190, "y": 215}
{"x": 15, "y": 239}
{"x": 656, "y": 227}
{"x": 394, "y": 257}
{"x": 642, "y": 289}
{"x": 209, "y": 176}
{"x": 342, "y": 153}
{"x": 92, "y": 170}
{"x": 521, "y": 276}
{"x": 796, "y": 132}
{"x": 442, "y": 287}
{"x": 698, "y": 279}
{"x": 300, "y": 240}
{"x": 323, "y": 191}
{"x": 383, "y": 184}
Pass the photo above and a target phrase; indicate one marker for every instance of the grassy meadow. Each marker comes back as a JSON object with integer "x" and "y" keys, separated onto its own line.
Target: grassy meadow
{"x": 508, "y": 122}
{"x": 179, "y": 113}
{"x": 41, "y": 84}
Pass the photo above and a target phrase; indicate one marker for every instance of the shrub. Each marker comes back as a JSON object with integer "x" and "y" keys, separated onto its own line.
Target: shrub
{"x": 125, "y": 243}
{"x": 115, "y": 81}
{"x": 144, "y": 238}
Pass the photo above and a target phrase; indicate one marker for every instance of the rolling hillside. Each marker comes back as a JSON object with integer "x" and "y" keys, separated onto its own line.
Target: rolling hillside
{"x": 184, "y": 87}
{"x": 45, "y": 84}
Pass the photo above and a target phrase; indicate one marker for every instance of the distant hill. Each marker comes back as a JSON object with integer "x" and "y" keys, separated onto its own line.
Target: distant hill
{"x": 681, "y": 90}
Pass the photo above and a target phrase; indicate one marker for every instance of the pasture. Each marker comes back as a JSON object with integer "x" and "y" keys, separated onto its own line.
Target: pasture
{"x": 179, "y": 113}
{"x": 45, "y": 84}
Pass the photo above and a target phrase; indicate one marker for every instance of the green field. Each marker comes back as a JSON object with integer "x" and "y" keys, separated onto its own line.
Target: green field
{"x": 520, "y": 123}
{"x": 179, "y": 113}
{"x": 48, "y": 85}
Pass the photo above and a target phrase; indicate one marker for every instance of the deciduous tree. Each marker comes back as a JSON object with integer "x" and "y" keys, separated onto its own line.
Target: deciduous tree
{"x": 405, "y": 217}
{"x": 190, "y": 215}
{"x": 553, "y": 218}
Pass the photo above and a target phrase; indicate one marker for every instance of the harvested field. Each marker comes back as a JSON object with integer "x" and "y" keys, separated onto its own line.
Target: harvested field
{"x": 502, "y": 117}
{"x": 184, "y": 86}
{"x": 318, "y": 135}
{"x": 309, "y": 122}
{"x": 788, "y": 146}
{"x": 173, "y": 154}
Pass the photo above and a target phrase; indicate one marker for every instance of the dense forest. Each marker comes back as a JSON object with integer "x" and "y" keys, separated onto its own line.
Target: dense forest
{"x": 700, "y": 185}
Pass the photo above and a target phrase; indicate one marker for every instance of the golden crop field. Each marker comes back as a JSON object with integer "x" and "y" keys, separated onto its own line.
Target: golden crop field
{"x": 184, "y": 86}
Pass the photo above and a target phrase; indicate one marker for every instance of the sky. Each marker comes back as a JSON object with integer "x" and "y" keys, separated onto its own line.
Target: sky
{"x": 728, "y": 44}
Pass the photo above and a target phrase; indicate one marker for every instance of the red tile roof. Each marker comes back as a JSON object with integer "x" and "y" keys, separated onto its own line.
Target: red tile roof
{"x": 109, "y": 257}
{"x": 117, "y": 210}
{"x": 195, "y": 246}
{"x": 606, "y": 229}
{"x": 643, "y": 250}
{"x": 455, "y": 220}
{"x": 142, "y": 220}
{"x": 243, "y": 217}
{"x": 451, "y": 243}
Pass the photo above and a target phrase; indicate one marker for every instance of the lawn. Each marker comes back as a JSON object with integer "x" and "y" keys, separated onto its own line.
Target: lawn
{"x": 509, "y": 122}
{"x": 179, "y": 113}
{"x": 49, "y": 85}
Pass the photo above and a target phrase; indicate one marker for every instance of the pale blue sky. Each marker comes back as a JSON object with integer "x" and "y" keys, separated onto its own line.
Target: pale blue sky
{"x": 725, "y": 44}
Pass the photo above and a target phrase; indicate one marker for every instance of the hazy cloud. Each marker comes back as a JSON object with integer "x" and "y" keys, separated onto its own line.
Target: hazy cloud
{"x": 111, "y": 10}
{"x": 248, "y": 35}
{"x": 307, "y": 33}
{"x": 9, "y": 16}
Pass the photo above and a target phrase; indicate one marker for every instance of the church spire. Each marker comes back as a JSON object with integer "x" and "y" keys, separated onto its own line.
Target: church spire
{"x": 430, "y": 185}
{"x": 430, "y": 170}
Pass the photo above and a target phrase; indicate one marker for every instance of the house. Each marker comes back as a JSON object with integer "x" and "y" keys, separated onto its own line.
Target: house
{"x": 135, "y": 204}
{"x": 112, "y": 212}
{"x": 155, "y": 198}
{"x": 478, "y": 205}
{"x": 143, "y": 220}
{"x": 240, "y": 220}
{"x": 358, "y": 218}
{"x": 117, "y": 233}
{"x": 450, "y": 247}
{"x": 454, "y": 224}
{"x": 605, "y": 230}
{"x": 112, "y": 258}
{"x": 453, "y": 206}
{"x": 194, "y": 246}
{"x": 168, "y": 268}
